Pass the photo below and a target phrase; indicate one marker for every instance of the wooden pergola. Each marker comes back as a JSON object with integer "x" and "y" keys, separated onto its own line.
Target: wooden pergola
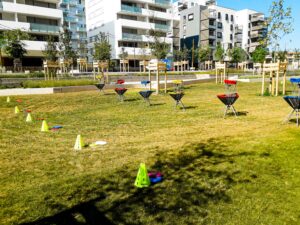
{"x": 274, "y": 70}
{"x": 221, "y": 73}
{"x": 158, "y": 67}
{"x": 101, "y": 67}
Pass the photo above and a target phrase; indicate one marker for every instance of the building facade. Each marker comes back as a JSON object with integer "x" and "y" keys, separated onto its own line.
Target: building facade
{"x": 127, "y": 24}
{"x": 74, "y": 18}
{"x": 208, "y": 24}
{"x": 39, "y": 18}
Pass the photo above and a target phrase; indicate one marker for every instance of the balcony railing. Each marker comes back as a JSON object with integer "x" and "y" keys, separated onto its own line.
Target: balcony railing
{"x": 70, "y": 19}
{"x": 162, "y": 2}
{"x": 81, "y": 29}
{"x": 44, "y": 28}
{"x": 134, "y": 37}
{"x": 132, "y": 9}
{"x": 162, "y": 27}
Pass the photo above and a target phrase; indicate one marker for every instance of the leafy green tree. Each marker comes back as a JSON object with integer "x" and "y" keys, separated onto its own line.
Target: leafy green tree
{"x": 204, "y": 53}
{"x": 124, "y": 54}
{"x": 3, "y": 42}
{"x": 159, "y": 47}
{"x": 220, "y": 52}
{"x": 282, "y": 55}
{"x": 14, "y": 47}
{"x": 259, "y": 55}
{"x": 66, "y": 50}
{"x": 51, "y": 49}
{"x": 102, "y": 47}
{"x": 177, "y": 55}
{"x": 279, "y": 23}
{"x": 237, "y": 55}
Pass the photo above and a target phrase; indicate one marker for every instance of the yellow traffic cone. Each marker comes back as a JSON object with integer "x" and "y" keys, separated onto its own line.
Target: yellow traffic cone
{"x": 17, "y": 110}
{"x": 142, "y": 179}
{"x": 45, "y": 127}
{"x": 28, "y": 118}
{"x": 8, "y": 99}
{"x": 79, "y": 143}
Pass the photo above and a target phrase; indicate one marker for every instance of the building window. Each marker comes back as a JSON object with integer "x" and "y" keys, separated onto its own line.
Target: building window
{"x": 226, "y": 17}
{"x": 219, "y": 35}
{"x": 249, "y": 25}
{"x": 231, "y": 27}
{"x": 248, "y": 41}
{"x": 191, "y": 17}
{"x": 184, "y": 27}
{"x": 219, "y": 15}
{"x": 231, "y": 18}
{"x": 230, "y": 46}
{"x": 249, "y": 33}
{"x": 192, "y": 4}
{"x": 184, "y": 19}
{"x": 249, "y": 17}
{"x": 220, "y": 25}
{"x": 231, "y": 37}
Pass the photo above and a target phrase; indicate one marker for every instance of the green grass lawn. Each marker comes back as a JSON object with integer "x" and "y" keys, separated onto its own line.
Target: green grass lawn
{"x": 241, "y": 170}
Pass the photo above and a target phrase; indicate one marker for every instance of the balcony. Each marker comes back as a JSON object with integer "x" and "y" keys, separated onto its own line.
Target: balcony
{"x": 238, "y": 39}
{"x": 10, "y": 7}
{"x": 34, "y": 27}
{"x": 212, "y": 14}
{"x": 162, "y": 27}
{"x": 258, "y": 27}
{"x": 132, "y": 37}
{"x": 258, "y": 17}
{"x": 81, "y": 29}
{"x": 162, "y": 2}
{"x": 238, "y": 30}
{"x": 70, "y": 19}
{"x": 131, "y": 9}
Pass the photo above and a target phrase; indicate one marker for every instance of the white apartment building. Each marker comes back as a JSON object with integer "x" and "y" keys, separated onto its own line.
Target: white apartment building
{"x": 127, "y": 22}
{"x": 39, "y": 18}
{"x": 208, "y": 24}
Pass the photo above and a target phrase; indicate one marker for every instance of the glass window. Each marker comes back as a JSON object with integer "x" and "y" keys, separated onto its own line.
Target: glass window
{"x": 191, "y": 16}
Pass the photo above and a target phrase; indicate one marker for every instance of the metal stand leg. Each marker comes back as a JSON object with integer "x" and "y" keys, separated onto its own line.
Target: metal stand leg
{"x": 225, "y": 112}
{"x": 289, "y": 116}
{"x": 234, "y": 111}
{"x": 147, "y": 100}
{"x": 182, "y": 105}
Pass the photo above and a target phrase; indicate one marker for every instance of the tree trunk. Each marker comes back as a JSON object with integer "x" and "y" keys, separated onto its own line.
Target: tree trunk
{"x": 17, "y": 64}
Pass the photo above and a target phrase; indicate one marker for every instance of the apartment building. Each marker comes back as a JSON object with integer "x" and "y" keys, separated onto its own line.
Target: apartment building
{"x": 74, "y": 20}
{"x": 208, "y": 24}
{"x": 38, "y": 18}
{"x": 128, "y": 22}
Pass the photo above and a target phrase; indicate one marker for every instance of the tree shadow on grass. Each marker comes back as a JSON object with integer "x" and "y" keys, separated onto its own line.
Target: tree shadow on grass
{"x": 194, "y": 176}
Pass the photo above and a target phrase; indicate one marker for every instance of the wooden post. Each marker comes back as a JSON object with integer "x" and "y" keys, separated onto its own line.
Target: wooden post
{"x": 165, "y": 81}
{"x": 277, "y": 81}
{"x": 284, "y": 82}
{"x": 150, "y": 79}
{"x": 263, "y": 83}
{"x": 157, "y": 80}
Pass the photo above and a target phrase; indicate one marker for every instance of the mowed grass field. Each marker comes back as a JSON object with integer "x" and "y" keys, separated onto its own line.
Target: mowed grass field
{"x": 241, "y": 170}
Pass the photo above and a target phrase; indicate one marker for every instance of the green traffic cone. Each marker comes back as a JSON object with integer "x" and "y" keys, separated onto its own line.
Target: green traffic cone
{"x": 142, "y": 179}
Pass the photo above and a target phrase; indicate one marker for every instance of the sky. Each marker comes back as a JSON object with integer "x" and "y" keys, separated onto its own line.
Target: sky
{"x": 289, "y": 42}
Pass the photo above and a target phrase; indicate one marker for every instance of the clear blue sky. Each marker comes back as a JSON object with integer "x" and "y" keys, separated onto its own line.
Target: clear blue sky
{"x": 291, "y": 41}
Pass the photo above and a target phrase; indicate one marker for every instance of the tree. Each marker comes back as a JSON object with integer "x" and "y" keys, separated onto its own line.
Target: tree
{"x": 204, "y": 54}
{"x": 123, "y": 55}
{"x": 159, "y": 47}
{"x": 237, "y": 55}
{"x": 50, "y": 51}
{"x": 102, "y": 48}
{"x": 177, "y": 55}
{"x": 279, "y": 23}
{"x": 259, "y": 54}
{"x": 2, "y": 46}
{"x": 282, "y": 55}
{"x": 82, "y": 50}
{"x": 220, "y": 52}
{"x": 66, "y": 50}
{"x": 14, "y": 47}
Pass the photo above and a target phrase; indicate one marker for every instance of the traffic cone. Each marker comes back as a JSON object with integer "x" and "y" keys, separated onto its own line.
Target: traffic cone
{"x": 8, "y": 99}
{"x": 142, "y": 178}
{"x": 28, "y": 118}
{"x": 79, "y": 143}
{"x": 45, "y": 127}
{"x": 17, "y": 110}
